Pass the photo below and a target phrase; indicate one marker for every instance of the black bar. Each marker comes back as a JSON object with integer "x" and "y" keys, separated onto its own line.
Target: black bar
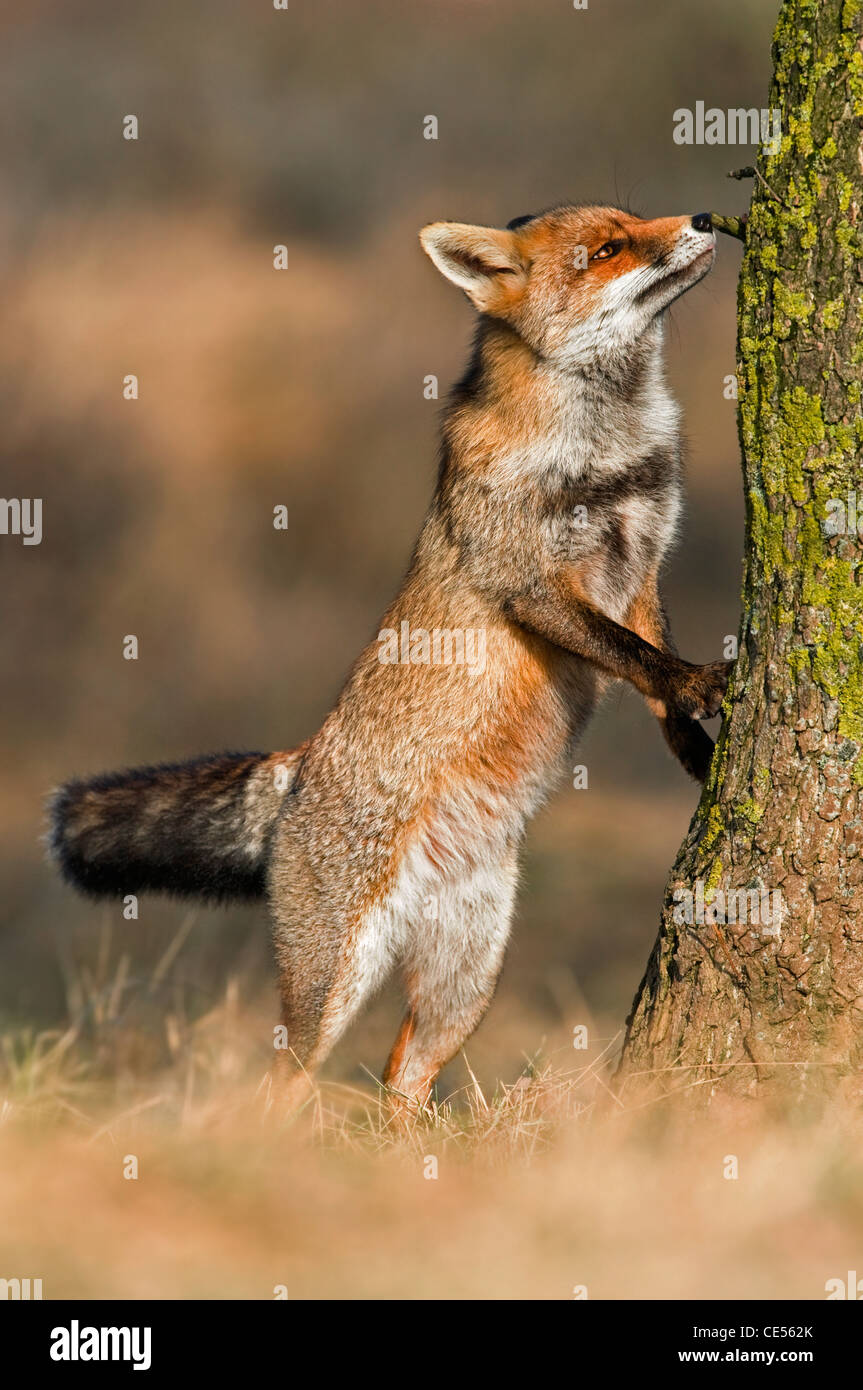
{"x": 278, "y": 1337}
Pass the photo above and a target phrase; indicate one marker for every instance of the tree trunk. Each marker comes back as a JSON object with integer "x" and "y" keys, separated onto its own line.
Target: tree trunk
{"x": 769, "y": 1007}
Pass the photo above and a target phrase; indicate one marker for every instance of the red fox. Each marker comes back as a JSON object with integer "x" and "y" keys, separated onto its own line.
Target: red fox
{"x": 391, "y": 838}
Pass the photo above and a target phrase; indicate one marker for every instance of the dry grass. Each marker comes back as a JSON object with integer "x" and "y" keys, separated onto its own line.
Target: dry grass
{"x": 541, "y": 1187}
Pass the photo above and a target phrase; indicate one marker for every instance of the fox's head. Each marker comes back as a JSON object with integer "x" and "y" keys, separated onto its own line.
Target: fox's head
{"x": 576, "y": 283}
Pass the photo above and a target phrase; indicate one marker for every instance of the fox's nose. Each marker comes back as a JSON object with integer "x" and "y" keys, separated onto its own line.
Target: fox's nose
{"x": 702, "y": 223}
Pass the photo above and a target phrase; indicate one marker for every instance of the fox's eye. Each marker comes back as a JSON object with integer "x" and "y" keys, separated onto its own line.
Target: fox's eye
{"x": 610, "y": 248}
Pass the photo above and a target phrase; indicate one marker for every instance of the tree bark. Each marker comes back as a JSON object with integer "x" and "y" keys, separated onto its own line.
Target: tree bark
{"x": 763, "y": 1008}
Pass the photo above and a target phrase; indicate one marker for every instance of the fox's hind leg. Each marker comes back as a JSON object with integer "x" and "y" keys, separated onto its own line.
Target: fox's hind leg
{"x": 450, "y": 971}
{"x": 326, "y": 974}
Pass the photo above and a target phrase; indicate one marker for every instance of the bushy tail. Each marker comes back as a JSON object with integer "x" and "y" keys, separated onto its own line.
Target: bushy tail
{"x": 196, "y": 829}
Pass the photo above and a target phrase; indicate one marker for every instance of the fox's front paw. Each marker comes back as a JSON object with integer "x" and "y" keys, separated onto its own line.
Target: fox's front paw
{"x": 702, "y": 689}
{"x": 690, "y": 744}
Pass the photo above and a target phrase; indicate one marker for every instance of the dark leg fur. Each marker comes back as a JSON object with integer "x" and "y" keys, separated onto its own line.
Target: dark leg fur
{"x": 686, "y": 738}
{"x": 572, "y": 622}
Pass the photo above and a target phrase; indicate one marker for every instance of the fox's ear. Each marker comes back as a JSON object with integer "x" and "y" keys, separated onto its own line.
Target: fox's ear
{"x": 482, "y": 261}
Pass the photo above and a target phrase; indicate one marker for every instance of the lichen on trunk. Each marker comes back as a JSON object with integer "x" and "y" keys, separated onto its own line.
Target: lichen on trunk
{"x": 782, "y": 811}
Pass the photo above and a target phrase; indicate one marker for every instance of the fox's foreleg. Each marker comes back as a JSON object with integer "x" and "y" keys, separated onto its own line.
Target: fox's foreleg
{"x": 685, "y": 736}
{"x": 677, "y": 691}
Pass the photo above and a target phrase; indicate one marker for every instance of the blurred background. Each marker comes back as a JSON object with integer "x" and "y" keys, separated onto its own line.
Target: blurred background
{"x": 305, "y": 388}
